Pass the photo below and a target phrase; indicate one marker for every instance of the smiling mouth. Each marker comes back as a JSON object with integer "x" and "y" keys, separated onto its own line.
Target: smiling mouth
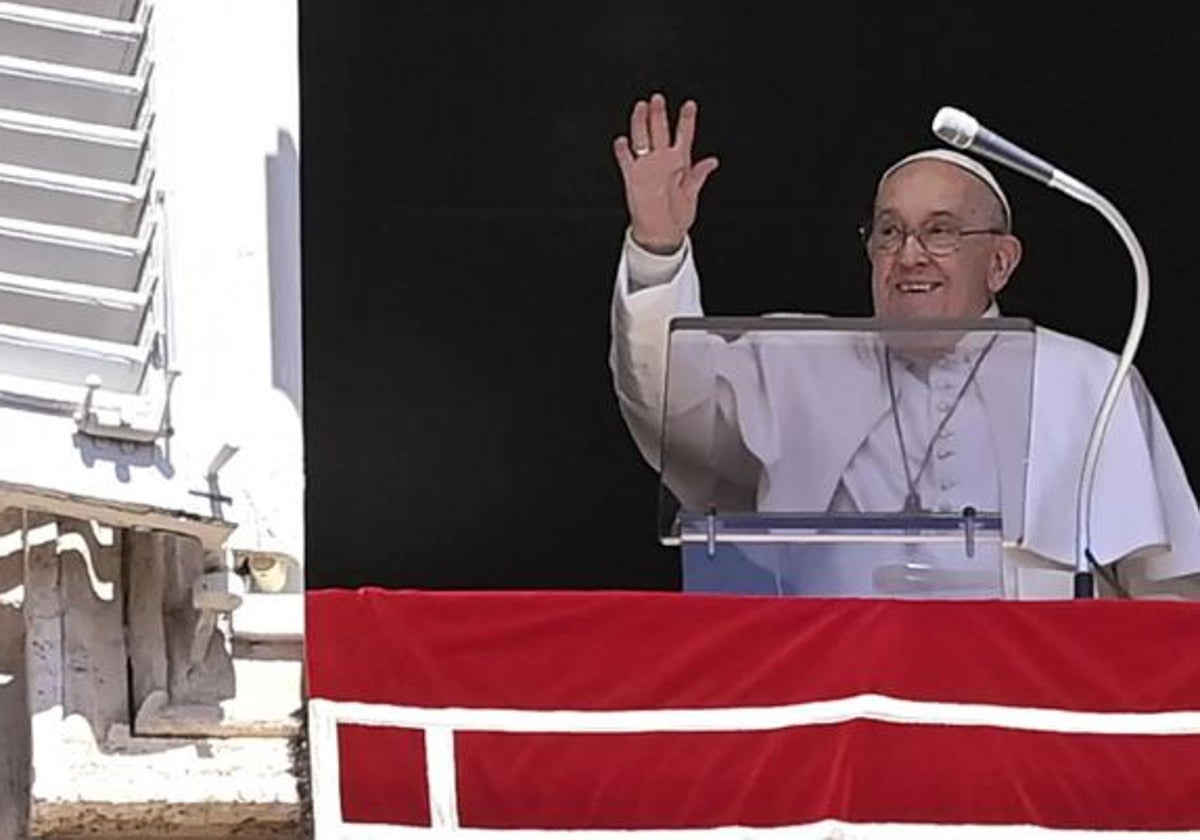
{"x": 915, "y": 287}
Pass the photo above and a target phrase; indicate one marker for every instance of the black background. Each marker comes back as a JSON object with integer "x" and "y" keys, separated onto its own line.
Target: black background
{"x": 462, "y": 217}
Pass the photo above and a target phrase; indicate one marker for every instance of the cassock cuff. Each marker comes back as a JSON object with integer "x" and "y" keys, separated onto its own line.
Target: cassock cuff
{"x": 646, "y": 269}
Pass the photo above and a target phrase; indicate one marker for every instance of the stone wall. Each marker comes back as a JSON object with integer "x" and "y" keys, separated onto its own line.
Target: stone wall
{"x": 129, "y": 707}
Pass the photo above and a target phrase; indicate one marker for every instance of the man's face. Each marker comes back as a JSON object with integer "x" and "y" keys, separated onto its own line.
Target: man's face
{"x": 932, "y": 195}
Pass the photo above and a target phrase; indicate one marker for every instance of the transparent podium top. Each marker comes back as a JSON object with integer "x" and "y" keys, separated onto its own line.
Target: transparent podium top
{"x": 779, "y": 422}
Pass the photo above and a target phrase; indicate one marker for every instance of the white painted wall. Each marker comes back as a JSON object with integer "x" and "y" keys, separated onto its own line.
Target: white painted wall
{"x": 227, "y": 92}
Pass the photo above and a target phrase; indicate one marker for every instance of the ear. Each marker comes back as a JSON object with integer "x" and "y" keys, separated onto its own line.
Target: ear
{"x": 1004, "y": 262}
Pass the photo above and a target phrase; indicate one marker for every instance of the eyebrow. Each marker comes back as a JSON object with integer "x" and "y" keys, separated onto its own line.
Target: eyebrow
{"x": 936, "y": 214}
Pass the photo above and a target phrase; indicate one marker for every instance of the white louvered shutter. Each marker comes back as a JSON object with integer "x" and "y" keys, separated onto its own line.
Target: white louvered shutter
{"x": 81, "y": 286}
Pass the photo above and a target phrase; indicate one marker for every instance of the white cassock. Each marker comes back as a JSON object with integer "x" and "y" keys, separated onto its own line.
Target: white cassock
{"x": 781, "y": 449}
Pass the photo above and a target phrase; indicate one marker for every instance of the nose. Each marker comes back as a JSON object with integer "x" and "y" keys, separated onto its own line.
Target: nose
{"x": 911, "y": 250}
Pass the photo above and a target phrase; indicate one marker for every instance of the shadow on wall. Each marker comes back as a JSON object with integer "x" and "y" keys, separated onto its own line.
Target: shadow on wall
{"x": 283, "y": 263}
{"x": 124, "y": 456}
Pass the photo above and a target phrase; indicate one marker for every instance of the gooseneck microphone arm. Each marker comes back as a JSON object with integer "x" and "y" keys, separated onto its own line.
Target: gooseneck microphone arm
{"x": 964, "y": 131}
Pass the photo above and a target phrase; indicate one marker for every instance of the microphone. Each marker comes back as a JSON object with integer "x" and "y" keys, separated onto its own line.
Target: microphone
{"x": 963, "y": 131}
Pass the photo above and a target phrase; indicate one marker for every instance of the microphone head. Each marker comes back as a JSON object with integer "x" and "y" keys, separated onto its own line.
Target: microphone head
{"x": 958, "y": 128}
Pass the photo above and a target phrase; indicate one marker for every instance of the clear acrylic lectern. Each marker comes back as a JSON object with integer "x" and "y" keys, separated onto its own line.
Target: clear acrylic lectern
{"x": 845, "y": 456}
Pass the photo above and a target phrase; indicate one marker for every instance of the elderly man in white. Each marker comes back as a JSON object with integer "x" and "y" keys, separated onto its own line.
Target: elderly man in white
{"x": 940, "y": 246}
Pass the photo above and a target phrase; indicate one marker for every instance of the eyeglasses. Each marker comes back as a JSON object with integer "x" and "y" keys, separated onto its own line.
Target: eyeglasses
{"x": 939, "y": 237}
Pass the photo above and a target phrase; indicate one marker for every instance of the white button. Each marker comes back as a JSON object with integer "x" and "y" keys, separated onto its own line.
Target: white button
{"x": 945, "y": 453}
{"x": 943, "y": 406}
{"x": 946, "y": 433}
{"x": 949, "y": 484}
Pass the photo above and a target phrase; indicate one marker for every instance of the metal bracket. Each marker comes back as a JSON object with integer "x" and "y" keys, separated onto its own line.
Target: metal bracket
{"x": 969, "y": 514}
{"x": 144, "y": 425}
{"x": 214, "y": 494}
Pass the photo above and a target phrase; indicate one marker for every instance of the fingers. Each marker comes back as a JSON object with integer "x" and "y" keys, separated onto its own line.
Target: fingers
{"x": 650, "y": 128}
{"x": 660, "y": 128}
{"x": 699, "y": 173}
{"x": 623, "y": 153}
{"x": 685, "y": 131}
{"x": 639, "y": 127}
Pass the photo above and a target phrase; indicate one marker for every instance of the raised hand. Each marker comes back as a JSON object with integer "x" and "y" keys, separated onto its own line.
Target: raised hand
{"x": 662, "y": 185}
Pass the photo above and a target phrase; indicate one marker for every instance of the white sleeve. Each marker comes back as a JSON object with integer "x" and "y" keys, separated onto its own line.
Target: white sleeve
{"x": 1178, "y": 502}
{"x": 646, "y": 269}
{"x": 708, "y": 461}
{"x": 640, "y": 325}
